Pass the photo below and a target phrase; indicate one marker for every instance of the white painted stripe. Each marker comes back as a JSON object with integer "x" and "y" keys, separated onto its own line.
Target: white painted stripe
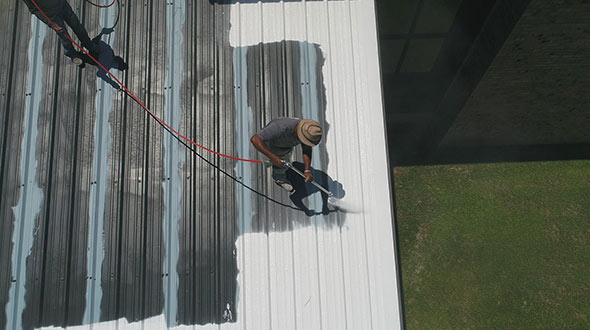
{"x": 342, "y": 145}
{"x": 31, "y": 196}
{"x": 330, "y": 255}
{"x": 174, "y": 158}
{"x": 265, "y": 13}
{"x": 100, "y": 171}
{"x": 244, "y": 129}
{"x": 379, "y": 231}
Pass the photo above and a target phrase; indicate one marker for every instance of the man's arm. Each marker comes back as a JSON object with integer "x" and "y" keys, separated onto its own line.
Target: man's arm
{"x": 260, "y": 146}
{"x": 307, "y": 162}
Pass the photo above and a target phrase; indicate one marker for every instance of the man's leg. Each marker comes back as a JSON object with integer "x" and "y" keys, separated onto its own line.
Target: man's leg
{"x": 72, "y": 20}
{"x": 69, "y": 49}
{"x": 280, "y": 177}
{"x": 279, "y": 174}
{"x": 66, "y": 44}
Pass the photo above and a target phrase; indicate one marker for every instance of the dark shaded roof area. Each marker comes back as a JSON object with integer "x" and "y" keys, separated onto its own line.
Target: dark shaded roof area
{"x": 485, "y": 81}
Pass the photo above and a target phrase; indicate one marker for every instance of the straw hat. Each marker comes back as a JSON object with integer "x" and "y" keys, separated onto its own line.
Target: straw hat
{"x": 309, "y": 132}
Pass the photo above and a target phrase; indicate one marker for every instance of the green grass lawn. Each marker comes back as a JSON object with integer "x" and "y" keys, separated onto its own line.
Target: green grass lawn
{"x": 495, "y": 246}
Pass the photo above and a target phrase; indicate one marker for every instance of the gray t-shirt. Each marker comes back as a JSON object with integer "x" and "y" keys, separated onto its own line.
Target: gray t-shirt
{"x": 279, "y": 135}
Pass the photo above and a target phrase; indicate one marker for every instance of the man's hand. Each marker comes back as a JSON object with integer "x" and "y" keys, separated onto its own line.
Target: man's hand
{"x": 308, "y": 176}
{"x": 260, "y": 146}
{"x": 276, "y": 161}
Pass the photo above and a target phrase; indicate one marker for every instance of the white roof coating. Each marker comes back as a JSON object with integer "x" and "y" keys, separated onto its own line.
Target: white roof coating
{"x": 342, "y": 278}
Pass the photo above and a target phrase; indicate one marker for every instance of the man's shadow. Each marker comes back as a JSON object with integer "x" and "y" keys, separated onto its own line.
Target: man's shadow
{"x": 304, "y": 190}
{"x": 106, "y": 56}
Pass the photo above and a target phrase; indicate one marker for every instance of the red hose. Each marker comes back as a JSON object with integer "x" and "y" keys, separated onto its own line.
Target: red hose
{"x": 163, "y": 123}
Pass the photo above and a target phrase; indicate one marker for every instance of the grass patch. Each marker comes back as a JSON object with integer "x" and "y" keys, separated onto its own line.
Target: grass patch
{"x": 495, "y": 246}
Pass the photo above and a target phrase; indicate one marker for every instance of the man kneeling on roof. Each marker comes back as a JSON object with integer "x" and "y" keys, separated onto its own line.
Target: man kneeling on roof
{"x": 276, "y": 141}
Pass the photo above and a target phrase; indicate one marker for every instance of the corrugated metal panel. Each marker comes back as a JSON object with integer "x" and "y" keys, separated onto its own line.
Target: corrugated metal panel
{"x": 113, "y": 222}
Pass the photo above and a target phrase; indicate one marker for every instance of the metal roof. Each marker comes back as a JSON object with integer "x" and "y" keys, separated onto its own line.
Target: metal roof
{"x": 108, "y": 221}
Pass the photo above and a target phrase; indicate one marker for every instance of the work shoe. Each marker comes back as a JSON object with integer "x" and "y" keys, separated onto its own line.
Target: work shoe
{"x": 78, "y": 61}
{"x": 76, "y": 57}
{"x": 285, "y": 185}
